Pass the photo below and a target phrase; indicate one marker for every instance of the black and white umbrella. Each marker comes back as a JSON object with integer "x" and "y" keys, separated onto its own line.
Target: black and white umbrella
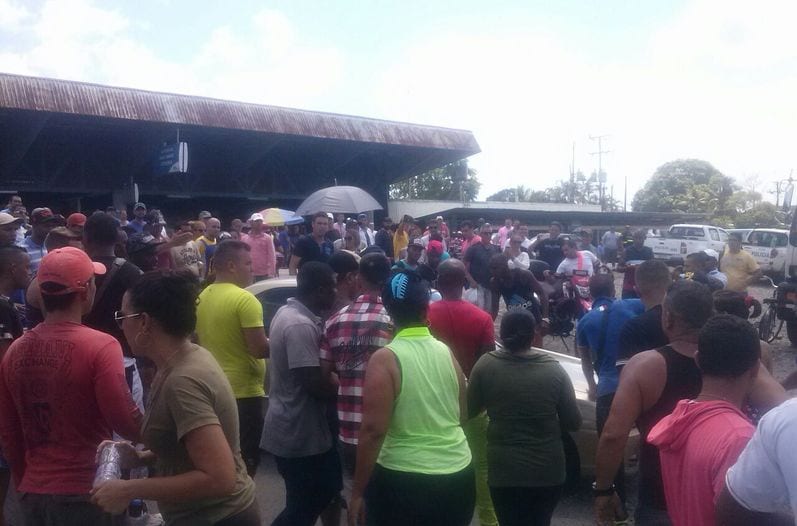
{"x": 338, "y": 199}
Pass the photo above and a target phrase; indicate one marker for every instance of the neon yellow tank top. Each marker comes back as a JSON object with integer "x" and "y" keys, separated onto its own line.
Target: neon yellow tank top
{"x": 425, "y": 435}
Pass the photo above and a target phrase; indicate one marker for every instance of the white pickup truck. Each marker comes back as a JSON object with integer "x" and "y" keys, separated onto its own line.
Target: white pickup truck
{"x": 681, "y": 240}
{"x": 769, "y": 247}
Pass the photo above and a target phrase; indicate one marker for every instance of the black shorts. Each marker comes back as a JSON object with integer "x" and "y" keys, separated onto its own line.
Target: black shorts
{"x": 399, "y": 498}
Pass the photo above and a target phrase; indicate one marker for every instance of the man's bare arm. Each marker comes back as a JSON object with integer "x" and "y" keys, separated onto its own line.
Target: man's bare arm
{"x": 589, "y": 371}
{"x": 641, "y": 382}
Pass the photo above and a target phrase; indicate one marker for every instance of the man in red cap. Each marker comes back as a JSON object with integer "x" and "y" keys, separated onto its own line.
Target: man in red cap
{"x": 75, "y": 222}
{"x": 62, "y": 392}
{"x": 435, "y": 254}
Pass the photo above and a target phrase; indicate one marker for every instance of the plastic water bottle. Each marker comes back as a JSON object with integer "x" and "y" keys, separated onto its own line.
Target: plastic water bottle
{"x": 109, "y": 466}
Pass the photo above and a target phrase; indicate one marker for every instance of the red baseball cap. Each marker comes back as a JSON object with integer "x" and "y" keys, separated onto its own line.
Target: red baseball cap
{"x": 76, "y": 219}
{"x": 434, "y": 247}
{"x": 69, "y": 267}
{"x": 45, "y": 215}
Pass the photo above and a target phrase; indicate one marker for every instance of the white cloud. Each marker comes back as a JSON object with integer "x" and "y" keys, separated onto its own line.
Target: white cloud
{"x": 12, "y": 15}
{"x": 264, "y": 62}
{"x": 718, "y": 83}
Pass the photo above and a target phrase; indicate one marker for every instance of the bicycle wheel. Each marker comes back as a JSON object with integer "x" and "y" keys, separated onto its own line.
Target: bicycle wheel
{"x": 766, "y": 325}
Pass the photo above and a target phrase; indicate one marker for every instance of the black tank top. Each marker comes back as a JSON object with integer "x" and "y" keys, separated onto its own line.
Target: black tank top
{"x": 683, "y": 383}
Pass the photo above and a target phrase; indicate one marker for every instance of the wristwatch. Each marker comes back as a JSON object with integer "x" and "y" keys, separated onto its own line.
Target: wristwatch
{"x": 602, "y": 492}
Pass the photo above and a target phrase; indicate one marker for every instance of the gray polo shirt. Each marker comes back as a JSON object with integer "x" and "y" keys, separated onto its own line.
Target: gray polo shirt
{"x": 296, "y": 423}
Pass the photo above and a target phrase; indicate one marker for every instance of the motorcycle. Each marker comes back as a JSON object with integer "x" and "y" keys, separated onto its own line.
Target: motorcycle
{"x": 568, "y": 299}
{"x": 577, "y": 288}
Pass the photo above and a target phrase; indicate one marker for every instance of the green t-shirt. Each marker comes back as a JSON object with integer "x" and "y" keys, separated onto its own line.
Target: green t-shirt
{"x": 224, "y": 309}
{"x": 194, "y": 393}
{"x": 425, "y": 435}
{"x": 529, "y": 399}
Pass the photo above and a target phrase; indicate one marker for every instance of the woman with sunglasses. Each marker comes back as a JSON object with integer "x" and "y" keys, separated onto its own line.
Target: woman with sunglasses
{"x": 351, "y": 239}
{"x": 191, "y": 423}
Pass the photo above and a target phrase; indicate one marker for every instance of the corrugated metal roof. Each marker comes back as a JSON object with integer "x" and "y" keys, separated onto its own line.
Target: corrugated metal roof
{"x": 79, "y": 98}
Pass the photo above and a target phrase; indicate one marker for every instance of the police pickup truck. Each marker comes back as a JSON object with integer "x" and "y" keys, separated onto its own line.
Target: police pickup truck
{"x": 769, "y": 247}
{"x": 681, "y": 240}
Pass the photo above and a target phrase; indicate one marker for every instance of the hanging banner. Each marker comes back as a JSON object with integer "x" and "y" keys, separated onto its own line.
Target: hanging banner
{"x": 172, "y": 158}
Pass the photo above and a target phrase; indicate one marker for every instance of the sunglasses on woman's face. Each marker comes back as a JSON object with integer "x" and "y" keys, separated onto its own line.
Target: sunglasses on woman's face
{"x": 120, "y": 317}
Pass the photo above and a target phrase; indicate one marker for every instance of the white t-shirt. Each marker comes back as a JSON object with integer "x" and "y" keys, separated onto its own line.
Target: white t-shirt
{"x": 522, "y": 261}
{"x": 187, "y": 256}
{"x": 567, "y": 266}
{"x": 610, "y": 240}
{"x": 526, "y": 243}
{"x": 764, "y": 479}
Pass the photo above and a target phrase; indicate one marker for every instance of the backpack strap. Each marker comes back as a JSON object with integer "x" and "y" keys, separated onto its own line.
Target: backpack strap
{"x": 602, "y": 334}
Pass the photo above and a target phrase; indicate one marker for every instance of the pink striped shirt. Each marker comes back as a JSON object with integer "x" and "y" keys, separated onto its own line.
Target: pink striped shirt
{"x": 264, "y": 255}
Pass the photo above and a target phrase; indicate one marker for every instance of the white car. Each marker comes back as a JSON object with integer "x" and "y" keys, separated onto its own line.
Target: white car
{"x": 769, "y": 246}
{"x": 683, "y": 239}
{"x": 582, "y": 444}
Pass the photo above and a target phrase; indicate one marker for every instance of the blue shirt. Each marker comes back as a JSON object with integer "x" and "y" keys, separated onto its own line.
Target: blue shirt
{"x": 589, "y": 332}
{"x": 36, "y": 253}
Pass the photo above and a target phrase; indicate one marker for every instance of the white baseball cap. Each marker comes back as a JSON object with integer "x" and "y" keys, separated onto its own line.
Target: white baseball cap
{"x": 7, "y": 219}
{"x": 257, "y": 216}
{"x": 710, "y": 252}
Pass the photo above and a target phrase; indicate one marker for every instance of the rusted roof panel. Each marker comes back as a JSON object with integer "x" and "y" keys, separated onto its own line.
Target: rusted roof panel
{"x": 62, "y": 96}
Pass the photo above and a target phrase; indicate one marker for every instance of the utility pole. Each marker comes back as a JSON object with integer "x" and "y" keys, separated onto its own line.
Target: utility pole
{"x": 573, "y": 174}
{"x": 625, "y": 194}
{"x": 601, "y": 178}
{"x": 781, "y": 187}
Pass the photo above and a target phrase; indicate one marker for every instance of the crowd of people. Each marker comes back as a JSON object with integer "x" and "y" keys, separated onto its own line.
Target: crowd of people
{"x": 387, "y": 392}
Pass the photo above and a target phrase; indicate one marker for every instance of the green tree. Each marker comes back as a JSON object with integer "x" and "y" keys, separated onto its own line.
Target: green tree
{"x": 506, "y": 195}
{"x": 744, "y": 200}
{"x": 762, "y": 215}
{"x": 517, "y": 194}
{"x": 581, "y": 190}
{"x": 686, "y": 185}
{"x": 451, "y": 182}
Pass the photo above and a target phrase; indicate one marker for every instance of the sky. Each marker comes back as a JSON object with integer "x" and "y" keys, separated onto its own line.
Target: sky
{"x": 533, "y": 80}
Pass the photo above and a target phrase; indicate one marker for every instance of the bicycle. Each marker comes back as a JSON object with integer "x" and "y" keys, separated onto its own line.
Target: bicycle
{"x": 768, "y": 326}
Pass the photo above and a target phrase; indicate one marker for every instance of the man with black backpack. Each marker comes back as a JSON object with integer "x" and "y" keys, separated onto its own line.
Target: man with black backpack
{"x": 597, "y": 338}
{"x": 100, "y": 235}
